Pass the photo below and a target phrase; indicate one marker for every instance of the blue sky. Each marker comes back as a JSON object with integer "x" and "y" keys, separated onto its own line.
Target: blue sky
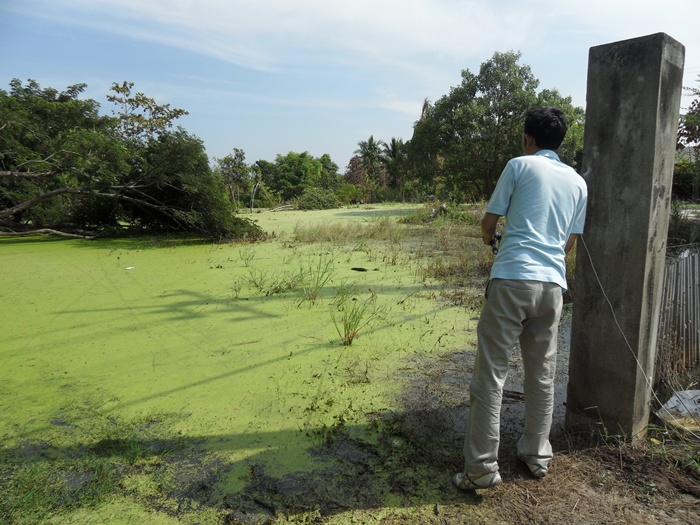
{"x": 273, "y": 76}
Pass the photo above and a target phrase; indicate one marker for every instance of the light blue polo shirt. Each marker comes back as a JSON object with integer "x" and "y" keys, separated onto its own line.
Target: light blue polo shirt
{"x": 544, "y": 201}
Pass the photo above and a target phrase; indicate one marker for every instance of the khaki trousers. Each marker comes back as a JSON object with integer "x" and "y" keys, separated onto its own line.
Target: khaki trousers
{"x": 527, "y": 311}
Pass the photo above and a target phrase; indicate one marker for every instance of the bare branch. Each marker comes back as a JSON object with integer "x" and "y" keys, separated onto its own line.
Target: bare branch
{"x": 46, "y": 231}
{"x": 33, "y": 175}
{"x": 8, "y": 212}
{"x": 78, "y": 191}
{"x": 87, "y": 192}
{"x": 26, "y": 174}
{"x": 162, "y": 208}
{"x": 46, "y": 159}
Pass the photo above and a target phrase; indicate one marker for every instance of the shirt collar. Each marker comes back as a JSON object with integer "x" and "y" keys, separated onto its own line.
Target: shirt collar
{"x": 550, "y": 154}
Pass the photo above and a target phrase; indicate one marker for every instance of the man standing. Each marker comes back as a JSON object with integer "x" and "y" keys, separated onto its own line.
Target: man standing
{"x": 544, "y": 203}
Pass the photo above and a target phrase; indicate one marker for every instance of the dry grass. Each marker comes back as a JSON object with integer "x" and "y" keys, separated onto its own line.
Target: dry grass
{"x": 605, "y": 484}
{"x": 383, "y": 229}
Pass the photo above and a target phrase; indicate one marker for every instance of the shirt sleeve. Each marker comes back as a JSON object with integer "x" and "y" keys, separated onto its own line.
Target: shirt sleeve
{"x": 580, "y": 217}
{"x": 500, "y": 199}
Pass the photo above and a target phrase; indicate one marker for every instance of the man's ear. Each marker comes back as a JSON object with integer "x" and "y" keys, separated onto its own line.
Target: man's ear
{"x": 529, "y": 140}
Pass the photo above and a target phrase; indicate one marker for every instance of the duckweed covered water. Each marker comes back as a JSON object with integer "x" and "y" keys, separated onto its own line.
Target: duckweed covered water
{"x": 194, "y": 370}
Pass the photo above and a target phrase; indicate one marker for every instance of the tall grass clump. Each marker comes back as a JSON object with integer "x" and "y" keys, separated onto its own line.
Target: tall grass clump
{"x": 350, "y": 314}
{"x": 246, "y": 254}
{"x": 385, "y": 229}
{"x": 315, "y": 277}
{"x": 310, "y": 279}
{"x": 458, "y": 259}
{"x": 270, "y": 283}
{"x": 679, "y": 449}
{"x": 459, "y": 256}
{"x": 258, "y": 278}
{"x": 392, "y": 253}
{"x": 237, "y": 286}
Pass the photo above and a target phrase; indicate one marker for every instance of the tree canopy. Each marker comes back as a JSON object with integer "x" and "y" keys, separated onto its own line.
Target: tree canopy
{"x": 462, "y": 142}
{"x": 689, "y": 128}
{"x": 686, "y": 175}
{"x": 65, "y": 169}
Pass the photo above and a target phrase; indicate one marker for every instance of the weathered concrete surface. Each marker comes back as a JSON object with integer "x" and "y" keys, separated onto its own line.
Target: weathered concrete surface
{"x": 633, "y": 99}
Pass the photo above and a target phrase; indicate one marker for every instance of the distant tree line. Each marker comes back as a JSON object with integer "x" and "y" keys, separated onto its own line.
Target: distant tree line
{"x": 66, "y": 169}
{"x": 459, "y": 146}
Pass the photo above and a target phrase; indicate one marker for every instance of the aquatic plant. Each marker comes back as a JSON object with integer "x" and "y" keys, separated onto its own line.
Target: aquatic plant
{"x": 315, "y": 277}
{"x": 350, "y": 315}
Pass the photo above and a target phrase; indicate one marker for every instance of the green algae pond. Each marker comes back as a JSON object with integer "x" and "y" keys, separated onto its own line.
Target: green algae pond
{"x": 292, "y": 380}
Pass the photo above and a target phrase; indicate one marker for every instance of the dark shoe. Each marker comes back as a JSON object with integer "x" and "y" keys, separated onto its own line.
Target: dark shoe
{"x": 538, "y": 471}
{"x": 481, "y": 481}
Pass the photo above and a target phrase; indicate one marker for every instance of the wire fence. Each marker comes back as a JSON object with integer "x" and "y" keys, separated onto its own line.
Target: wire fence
{"x": 679, "y": 323}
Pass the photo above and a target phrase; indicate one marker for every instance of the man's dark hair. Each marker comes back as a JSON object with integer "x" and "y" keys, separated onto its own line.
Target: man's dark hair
{"x": 547, "y": 125}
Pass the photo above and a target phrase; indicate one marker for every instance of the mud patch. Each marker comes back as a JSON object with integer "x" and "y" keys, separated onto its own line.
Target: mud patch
{"x": 188, "y": 482}
{"x": 350, "y": 481}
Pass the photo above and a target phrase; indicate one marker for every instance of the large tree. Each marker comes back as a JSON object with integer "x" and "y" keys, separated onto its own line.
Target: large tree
{"x": 139, "y": 117}
{"x": 571, "y": 150}
{"x": 235, "y": 173}
{"x": 355, "y": 172}
{"x": 294, "y": 172}
{"x": 462, "y": 142}
{"x": 330, "y": 178}
{"x": 56, "y": 152}
{"x": 67, "y": 170}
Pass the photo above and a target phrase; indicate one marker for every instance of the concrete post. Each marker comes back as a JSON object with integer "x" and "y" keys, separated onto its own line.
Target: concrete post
{"x": 633, "y": 99}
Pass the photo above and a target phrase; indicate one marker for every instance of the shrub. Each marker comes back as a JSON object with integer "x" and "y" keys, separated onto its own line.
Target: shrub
{"x": 350, "y": 194}
{"x": 317, "y": 199}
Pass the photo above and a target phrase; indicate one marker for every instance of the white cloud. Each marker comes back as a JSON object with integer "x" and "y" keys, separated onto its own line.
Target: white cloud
{"x": 417, "y": 38}
{"x": 270, "y": 33}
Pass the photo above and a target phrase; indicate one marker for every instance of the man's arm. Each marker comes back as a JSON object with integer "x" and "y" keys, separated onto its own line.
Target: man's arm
{"x": 570, "y": 242}
{"x": 488, "y": 227}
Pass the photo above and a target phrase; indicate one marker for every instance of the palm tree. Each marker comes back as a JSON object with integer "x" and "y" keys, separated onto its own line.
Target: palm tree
{"x": 392, "y": 150}
{"x": 391, "y": 156}
{"x": 370, "y": 151}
